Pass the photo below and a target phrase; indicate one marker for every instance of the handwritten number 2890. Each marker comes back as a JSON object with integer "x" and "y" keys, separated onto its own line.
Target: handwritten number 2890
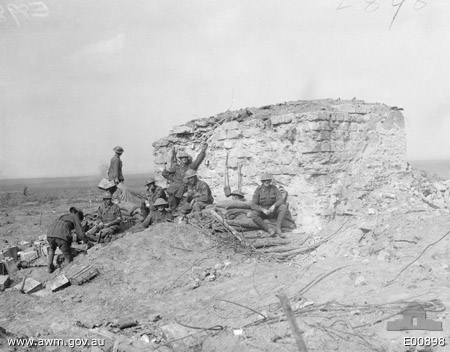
{"x": 372, "y": 5}
{"x": 419, "y": 4}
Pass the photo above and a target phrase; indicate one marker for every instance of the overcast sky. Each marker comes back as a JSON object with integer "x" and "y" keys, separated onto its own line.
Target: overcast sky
{"x": 78, "y": 77}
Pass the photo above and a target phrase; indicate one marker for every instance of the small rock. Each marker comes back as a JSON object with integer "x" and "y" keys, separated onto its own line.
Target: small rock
{"x": 154, "y": 317}
{"x": 145, "y": 338}
{"x": 384, "y": 256}
{"x": 360, "y": 281}
{"x": 238, "y": 332}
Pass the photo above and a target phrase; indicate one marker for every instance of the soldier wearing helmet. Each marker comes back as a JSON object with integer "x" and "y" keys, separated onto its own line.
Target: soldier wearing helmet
{"x": 161, "y": 214}
{"x": 238, "y": 195}
{"x": 59, "y": 235}
{"x": 177, "y": 173}
{"x": 115, "y": 166}
{"x": 268, "y": 202}
{"x": 153, "y": 193}
{"x": 109, "y": 218}
{"x": 198, "y": 194}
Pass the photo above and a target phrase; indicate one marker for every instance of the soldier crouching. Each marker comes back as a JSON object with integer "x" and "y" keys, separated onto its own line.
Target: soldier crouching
{"x": 59, "y": 235}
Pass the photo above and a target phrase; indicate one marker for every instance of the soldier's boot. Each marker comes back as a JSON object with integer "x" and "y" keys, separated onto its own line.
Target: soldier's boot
{"x": 282, "y": 212}
{"x": 262, "y": 224}
{"x": 50, "y": 266}
{"x": 67, "y": 260}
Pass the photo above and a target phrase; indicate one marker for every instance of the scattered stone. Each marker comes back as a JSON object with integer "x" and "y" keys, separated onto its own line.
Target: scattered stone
{"x": 238, "y": 332}
{"x": 154, "y": 317}
{"x": 384, "y": 256}
{"x": 360, "y": 281}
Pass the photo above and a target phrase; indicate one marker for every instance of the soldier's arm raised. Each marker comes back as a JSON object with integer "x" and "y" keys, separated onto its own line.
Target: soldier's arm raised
{"x": 200, "y": 157}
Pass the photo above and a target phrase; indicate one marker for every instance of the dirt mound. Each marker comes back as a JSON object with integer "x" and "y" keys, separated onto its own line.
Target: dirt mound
{"x": 189, "y": 293}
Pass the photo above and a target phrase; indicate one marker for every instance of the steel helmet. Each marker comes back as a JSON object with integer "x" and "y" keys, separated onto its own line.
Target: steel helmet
{"x": 160, "y": 201}
{"x": 150, "y": 180}
{"x": 266, "y": 177}
{"x": 190, "y": 173}
{"x": 237, "y": 193}
{"x": 118, "y": 149}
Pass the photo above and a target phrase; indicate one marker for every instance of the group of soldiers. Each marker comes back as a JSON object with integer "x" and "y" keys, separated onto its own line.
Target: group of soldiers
{"x": 185, "y": 194}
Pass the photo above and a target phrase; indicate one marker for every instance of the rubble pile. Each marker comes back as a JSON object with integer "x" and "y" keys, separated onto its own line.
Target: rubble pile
{"x": 18, "y": 261}
{"x": 318, "y": 149}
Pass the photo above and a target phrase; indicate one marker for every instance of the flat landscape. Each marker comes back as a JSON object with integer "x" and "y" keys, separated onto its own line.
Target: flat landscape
{"x": 189, "y": 290}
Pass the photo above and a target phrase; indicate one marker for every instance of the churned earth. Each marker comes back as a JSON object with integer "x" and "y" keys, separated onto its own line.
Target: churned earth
{"x": 193, "y": 291}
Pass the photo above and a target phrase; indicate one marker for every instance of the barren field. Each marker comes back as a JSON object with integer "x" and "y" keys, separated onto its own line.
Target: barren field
{"x": 186, "y": 290}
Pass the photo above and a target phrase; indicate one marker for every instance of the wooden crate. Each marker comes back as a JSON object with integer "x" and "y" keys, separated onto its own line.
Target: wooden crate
{"x": 82, "y": 274}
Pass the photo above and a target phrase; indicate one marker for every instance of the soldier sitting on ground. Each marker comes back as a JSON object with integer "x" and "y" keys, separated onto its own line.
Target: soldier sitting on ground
{"x": 153, "y": 193}
{"x": 108, "y": 220}
{"x": 59, "y": 235}
{"x": 198, "y": 194}
{"x": 268, "y": 203}
{"x": 161, "y": 214}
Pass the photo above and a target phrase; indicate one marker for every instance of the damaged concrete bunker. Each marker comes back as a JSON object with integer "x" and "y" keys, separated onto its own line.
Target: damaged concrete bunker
{"x": 323, "y": 151}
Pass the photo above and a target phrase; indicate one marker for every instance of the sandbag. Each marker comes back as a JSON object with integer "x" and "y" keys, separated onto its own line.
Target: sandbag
{"x": 246, "y": 223}
{"x": 227, "y": 204}
{"x": 136, "y": 211}
{"x": 105, "y": 184}
{"x": 125, "y": 195}
{"x": 128, "y": 207}
{"x": 138, "y": 217}
{"x": 234, "y": 213}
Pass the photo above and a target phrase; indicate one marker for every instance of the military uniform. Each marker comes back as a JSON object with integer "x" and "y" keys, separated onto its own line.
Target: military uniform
{"x": 106, "y": 214}
{"x": 59, "y": 236}
{"x": 156, "y": 217}
{"x": 263, "y": 198}
{"x": 115, "y": 169}
{"x": 200, "y": 193}
{"x": 152, "y": 196}
{"x": 176, "y": 177}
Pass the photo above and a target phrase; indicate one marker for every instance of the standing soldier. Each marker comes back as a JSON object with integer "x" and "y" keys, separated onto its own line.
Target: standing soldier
{"x": 115, "y": 166}
{"x": 198, "y": 194}
{"x": 59, "y": 235}
{"x": 268, "y": 202}
{"x": 177, "y": 173}
{"x": 108, "y": 220}
{"x": 159, "y": 215}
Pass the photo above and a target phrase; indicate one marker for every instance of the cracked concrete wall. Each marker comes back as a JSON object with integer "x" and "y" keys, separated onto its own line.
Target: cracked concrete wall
{"x": 322, "y": 150}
